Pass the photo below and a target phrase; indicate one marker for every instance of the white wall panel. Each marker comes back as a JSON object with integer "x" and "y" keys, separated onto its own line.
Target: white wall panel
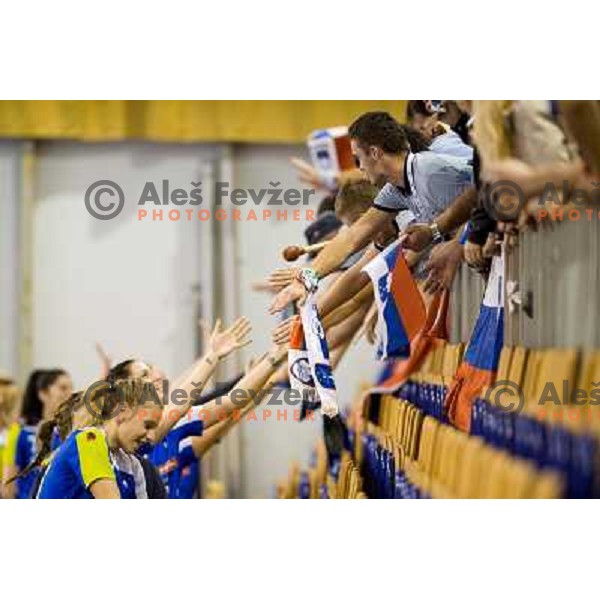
{"x": 125, "y": 283}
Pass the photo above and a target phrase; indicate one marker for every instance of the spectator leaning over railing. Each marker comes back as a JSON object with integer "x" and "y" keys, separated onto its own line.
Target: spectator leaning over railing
{"x": 436, "y": 189}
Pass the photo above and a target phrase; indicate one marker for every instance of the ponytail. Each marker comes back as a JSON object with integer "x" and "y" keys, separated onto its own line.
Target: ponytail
{"x": 61, "y": 421}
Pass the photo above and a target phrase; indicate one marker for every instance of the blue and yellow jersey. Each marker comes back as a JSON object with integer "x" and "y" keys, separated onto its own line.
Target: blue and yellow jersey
{"x": 19, "y": 451}
{"x": 175, "y": 459}
{"x": 3, "y": 435}
{"x": 82, "y": 459}
{"x": 55, "y": 442}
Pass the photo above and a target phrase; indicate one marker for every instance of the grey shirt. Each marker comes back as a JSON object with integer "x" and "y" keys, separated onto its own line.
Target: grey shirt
{"x": 432, "y": 182}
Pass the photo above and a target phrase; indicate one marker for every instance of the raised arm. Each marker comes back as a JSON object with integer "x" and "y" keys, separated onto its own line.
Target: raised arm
{"x": 533, "y": 179}
{"x": 336, "y": 252}
{"x": 346, "y": 286}
{"x": 349, "y": 308}
{"x": 418, "y": 236}
{"x": 221, "y": 344}
{"x": 202, "y": 444}
{"x": 343, "y": 331}
{"x": 246, "y": 389}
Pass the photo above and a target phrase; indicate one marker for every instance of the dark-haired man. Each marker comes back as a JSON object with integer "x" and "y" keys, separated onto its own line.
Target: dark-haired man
{"x": 434, "y": 190}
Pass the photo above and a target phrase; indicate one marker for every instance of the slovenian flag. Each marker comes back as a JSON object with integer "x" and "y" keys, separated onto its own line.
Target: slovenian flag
{"x": 480, "y": 362}
{"x": 433, "y": 334}
{"x": 400, "y": 307}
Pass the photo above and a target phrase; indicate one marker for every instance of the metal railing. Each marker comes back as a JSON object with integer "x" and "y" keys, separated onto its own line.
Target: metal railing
{"x": 557, "y": 275}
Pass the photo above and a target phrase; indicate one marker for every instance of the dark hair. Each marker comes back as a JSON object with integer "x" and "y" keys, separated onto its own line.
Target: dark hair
{"x": 326, "y": 205}
{"x": 379, "y": 129}
{"x": 326, "y": 224}
{"x": 416, "y": 107}
{"x": 416, "y": 140}
{"x": 39, "y": 380}
{"x": 121, "y": 370}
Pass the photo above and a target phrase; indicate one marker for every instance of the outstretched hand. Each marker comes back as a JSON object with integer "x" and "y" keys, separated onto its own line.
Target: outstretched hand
{"x": 442, "y": 266}
{"x": 416, "y": 237}
{"x": 281, "y": 333}
{"x": 105, "y": 360}
{"x": 223, "y": 343}
{"x": 293, "y": 292}
{"x": 281, "y": 278}
{"x": 308, "y": 174}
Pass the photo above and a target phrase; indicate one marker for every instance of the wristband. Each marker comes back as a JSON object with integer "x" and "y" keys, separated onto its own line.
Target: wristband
{"x": 436, "y": 233}
{"x": 308, "y": 278}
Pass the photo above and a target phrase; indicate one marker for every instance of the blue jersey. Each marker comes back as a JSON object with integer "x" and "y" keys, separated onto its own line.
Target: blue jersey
{"x": 175, "y": 459}
{"x": 189, "y": 481}
{"x": 55, "y": 441}
{"x": 20, "y": 451}
{"x": 82, "y": 459}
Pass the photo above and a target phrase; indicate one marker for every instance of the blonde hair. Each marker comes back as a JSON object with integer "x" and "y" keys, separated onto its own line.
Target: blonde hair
{"x": 491, "y": 131}
{"x": 102, "y": 400}
{"x": 354, "y": 198}
{"x": 61, "y": 421}
{"x": 10, "y": 401}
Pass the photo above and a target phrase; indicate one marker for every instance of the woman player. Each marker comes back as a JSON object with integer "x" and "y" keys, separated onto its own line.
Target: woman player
{"x": 45, "y": 390}
{"x": 83, "y": 466}
{"x": 128, "y": 468}
{"x": 205, "y": 425}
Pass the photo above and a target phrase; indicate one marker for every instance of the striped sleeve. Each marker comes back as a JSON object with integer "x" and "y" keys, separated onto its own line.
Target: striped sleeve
{"x": 94, "y": 461}
{"x": 390, "y": 199}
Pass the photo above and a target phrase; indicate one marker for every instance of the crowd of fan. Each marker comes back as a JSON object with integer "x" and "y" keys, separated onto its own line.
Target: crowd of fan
{"x": 433, "y": 182}
{"x": 430, "y": 181}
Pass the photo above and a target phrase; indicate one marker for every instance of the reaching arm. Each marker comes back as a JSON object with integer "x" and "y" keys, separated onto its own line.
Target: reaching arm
{"x": 458, "y": 212}
{"x": 221, "y": 344}
{"x": 105, "y": 360}
{"x": 336, "y": 252}
{"x": 246, "y": 389}
{"x": 344, "y": 331}
{"x": 533, "y": 180}
{"x": 202, "y": 444}
{"x": 281, "y": 334}
{"x": 417, "y": 237}
{"x": 350, "y": 332}
{"x": 346, "y": 286}
{"x": 219, "y": 390}
{"x": 349, "y": 308}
